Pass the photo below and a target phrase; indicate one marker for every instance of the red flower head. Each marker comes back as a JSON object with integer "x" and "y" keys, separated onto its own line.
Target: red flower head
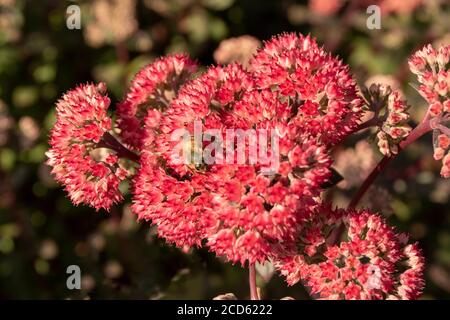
{"x": 88, "y": 175}
{"x": 175, "y": 196}
{"x": 153, "y": 88}
{"x": 257, "y": 209}
{"x": 374, "y": 263}
{"x": 238, "y": 208}
{"x": 319, "y": 87}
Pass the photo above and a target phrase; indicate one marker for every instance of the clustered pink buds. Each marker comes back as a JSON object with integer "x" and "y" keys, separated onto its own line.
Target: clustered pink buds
{"x": 390, "y": 116}
{"x": 244, "y": 209}
{"x": 441, "y": 152}
{"x": 373, "y": 263}
{"x": 81, "y": 122}
{"x": 432, "y": 69}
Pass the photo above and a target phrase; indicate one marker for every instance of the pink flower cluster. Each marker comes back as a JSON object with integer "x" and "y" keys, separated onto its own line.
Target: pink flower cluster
{"x": 319, "y": 85}
{"x": 237, "y": 210}
{"x": 81, "y": 122}
{"x": 373, "y": 263}
{"x": 432, "y": 69}
{"x": 331, "y": 7}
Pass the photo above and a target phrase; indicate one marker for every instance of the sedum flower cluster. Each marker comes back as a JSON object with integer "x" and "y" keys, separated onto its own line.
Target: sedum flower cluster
{"x": 432, "y": 69}
{"x": 310, "y": 103}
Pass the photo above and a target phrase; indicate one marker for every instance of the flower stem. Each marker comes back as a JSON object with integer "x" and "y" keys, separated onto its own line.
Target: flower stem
{"x": 415, "y": 134}
{"x": 369, "y": 123}
{"x": 108, "y": 141}
{"x": 423, "y": 128}
{"x": 252, "y": 282}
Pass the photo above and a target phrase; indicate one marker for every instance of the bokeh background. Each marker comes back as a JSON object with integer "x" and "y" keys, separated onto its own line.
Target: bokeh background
{"x": 41, "y": 232}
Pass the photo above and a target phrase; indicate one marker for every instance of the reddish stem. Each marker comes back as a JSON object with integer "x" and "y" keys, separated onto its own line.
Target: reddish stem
{"x": 372, "y": 122}
{"x": 108, "y": 141}
{"x": 415, "y": 134}
{"x": 252, "y": 282}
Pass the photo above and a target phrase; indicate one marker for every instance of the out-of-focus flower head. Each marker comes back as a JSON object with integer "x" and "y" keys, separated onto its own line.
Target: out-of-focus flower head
{"x": 400, "y": 7}
{"x": 331, "y": 7}
{"x": 151, "y": 91}
{"x": 112, "y": 21}
{"x": 81, "y": 123}
{"x": 226, "y": 296}
{"x": 372, "y": 263}
{"x": 391, "y": 6}
{"x": 390, "y": 116}
{"x": 325, "y": 8}
{"x": 29, "y": 131}
{"x": 239, "y": 49}
{"x": 355, "y": 164}
{"x": 432, "y": 69}
{"x": 10, "y": 20}
{"x": 319, "y": 87}
{"x": 378, "y": 199}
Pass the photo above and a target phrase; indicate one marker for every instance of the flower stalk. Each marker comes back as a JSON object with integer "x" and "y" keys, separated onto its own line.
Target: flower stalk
{"x": 252, "y": 282}
{"x": 423, "y": 128}
{"x": 108, "y": 141}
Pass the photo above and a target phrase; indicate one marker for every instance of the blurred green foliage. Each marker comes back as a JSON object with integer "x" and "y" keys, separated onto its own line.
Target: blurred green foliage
{"x": 41, "y": 232}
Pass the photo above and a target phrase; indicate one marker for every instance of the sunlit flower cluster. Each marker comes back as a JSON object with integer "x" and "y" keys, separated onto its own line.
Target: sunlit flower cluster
{"x": 237, "y": 209}
{"x": 317, "y": 85}
{"x": 257, "y": 209}
{"x": 372, "y": 262}
{"x": 432, "y": 69}
{"x": 175, "y": 196}
{"x": 81, "y": 122}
